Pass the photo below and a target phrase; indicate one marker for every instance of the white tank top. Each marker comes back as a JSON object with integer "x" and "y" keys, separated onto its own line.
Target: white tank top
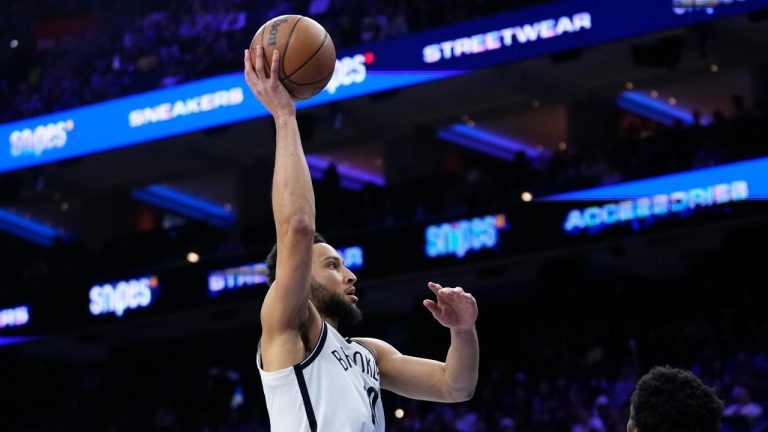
{"x": 336, "y": 389}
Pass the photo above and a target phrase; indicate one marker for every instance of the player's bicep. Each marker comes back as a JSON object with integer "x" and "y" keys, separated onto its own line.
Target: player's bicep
{"x": 286, "y": 304}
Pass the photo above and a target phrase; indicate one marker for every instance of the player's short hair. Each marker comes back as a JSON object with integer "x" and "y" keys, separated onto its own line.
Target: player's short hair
{"x": 668, "y": 399}
{"x": 272, "y": 258}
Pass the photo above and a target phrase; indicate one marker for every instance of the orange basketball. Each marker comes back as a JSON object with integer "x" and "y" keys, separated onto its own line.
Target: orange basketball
{"x": 307, "y": 54}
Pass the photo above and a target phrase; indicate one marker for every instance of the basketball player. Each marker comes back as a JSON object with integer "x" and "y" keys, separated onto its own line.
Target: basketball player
{"x": 667, "y": 399}
{"x": 314, "y": 379}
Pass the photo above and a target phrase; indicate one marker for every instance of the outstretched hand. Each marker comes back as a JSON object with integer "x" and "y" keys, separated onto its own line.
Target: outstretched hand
{"x": 454, "y": 308}
{"x": 268, "y": 90}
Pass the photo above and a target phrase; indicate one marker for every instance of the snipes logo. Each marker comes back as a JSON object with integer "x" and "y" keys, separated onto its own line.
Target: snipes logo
{"x": 350, "y": 70}
{"x": 462, "y": 236}
{"x": 40, "y": 139}
{"x": 120, "y": 296}
{"x": 14, "y": 317}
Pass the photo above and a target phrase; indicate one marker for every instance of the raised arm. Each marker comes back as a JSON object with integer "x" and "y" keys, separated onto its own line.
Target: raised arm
{"x": 286, "y": 308}
{"x": 451, "y": 381}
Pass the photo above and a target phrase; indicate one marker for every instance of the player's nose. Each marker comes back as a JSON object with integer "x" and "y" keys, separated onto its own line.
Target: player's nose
{"x": 351, "y": 278}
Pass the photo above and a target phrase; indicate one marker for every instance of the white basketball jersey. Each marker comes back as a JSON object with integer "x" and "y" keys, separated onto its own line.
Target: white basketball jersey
{"x": 336, "y": 389}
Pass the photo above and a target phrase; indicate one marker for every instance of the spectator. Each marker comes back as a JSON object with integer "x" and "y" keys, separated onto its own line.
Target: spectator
{"x": 742, "y": 414}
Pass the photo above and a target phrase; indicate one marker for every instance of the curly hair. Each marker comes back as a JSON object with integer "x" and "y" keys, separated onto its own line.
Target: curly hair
{"x": 668, "y": 399}
{"x": 272, "y": 258}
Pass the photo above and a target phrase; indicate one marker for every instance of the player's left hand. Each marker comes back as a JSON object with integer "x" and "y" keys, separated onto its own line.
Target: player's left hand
{"x": 269, "y": 91}
{"x": 454, "y": 308}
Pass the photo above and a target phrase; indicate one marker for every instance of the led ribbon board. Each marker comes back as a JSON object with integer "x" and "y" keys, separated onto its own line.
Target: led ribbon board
{"x": 401, "y": 62}
{"x": 236, "y": 277}
{"x": 706, "y": 6}
{"x": 679, "y": 193}
{"x": 543, "y": 30}
{"x": 164, "y": 113}
{"x": 249, "y": 275}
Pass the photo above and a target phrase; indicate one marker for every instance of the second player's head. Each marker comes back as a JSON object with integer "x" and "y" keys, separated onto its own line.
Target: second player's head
{"x": 668, "y": 399}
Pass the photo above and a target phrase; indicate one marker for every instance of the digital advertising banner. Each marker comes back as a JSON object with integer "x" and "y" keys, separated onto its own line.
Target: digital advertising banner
{"x": 362, "y": 70}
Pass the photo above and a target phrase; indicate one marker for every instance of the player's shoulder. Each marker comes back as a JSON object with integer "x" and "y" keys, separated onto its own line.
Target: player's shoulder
{"x": 379, "y": 347}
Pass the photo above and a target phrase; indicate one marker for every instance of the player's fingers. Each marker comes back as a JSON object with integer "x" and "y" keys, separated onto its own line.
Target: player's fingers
{"x": 450, "y": 292}
{"x": 432, "y": 306}
{"x": 275, "y": 64}
{"x": 434, "y": 287}
{"x": 247, "y": 66}
{"x": 467, "y": 299}
{"x": 259, "y": 63}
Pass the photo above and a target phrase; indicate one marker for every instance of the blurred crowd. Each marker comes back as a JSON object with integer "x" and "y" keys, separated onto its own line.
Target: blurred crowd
{"x": 73, "y": 53}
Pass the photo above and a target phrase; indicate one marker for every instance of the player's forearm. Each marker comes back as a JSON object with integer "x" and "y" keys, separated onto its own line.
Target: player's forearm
{"x": 461, "y": 364}
{"x": 293, "y": 200}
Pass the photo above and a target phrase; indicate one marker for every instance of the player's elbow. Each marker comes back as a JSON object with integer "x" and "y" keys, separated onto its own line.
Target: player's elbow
{"x": 301, "y": 227}
{"x": 466, "y": 395}
{"x": 462, "y": 394}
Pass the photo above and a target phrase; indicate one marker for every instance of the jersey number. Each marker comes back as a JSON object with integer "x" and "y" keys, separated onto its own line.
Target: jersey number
{"x": 373, "y": 397}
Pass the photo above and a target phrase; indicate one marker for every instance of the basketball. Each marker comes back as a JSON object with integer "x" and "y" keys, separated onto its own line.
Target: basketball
{"x": 307, "y": 54}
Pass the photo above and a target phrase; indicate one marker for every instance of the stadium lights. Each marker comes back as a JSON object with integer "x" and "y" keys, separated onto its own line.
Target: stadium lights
{"x": 349, "y": 177}
{"x": 479, "y": 139}
{"x": 29, "y": 229}
{"x": 186, "y": 205}
{"x": 654, "y": 109}
{"x": 9, "y": 340}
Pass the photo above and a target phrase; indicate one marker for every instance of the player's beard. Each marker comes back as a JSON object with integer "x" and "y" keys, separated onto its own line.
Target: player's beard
{"x": 334, "y": 305}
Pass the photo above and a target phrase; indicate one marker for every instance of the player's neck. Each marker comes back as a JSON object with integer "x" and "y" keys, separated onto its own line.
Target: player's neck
{"x": 332, "y": 322}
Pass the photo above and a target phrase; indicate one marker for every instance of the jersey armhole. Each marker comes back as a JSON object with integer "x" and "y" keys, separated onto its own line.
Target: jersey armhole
{"x": 373, "y": 353}
{"x": 258, "y": 355}
{"x": 316, "y": 352}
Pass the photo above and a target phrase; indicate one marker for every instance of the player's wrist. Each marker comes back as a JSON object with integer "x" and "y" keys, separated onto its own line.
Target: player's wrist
{"x": 285, "y": 116}
{"x": 464, "y": 330}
